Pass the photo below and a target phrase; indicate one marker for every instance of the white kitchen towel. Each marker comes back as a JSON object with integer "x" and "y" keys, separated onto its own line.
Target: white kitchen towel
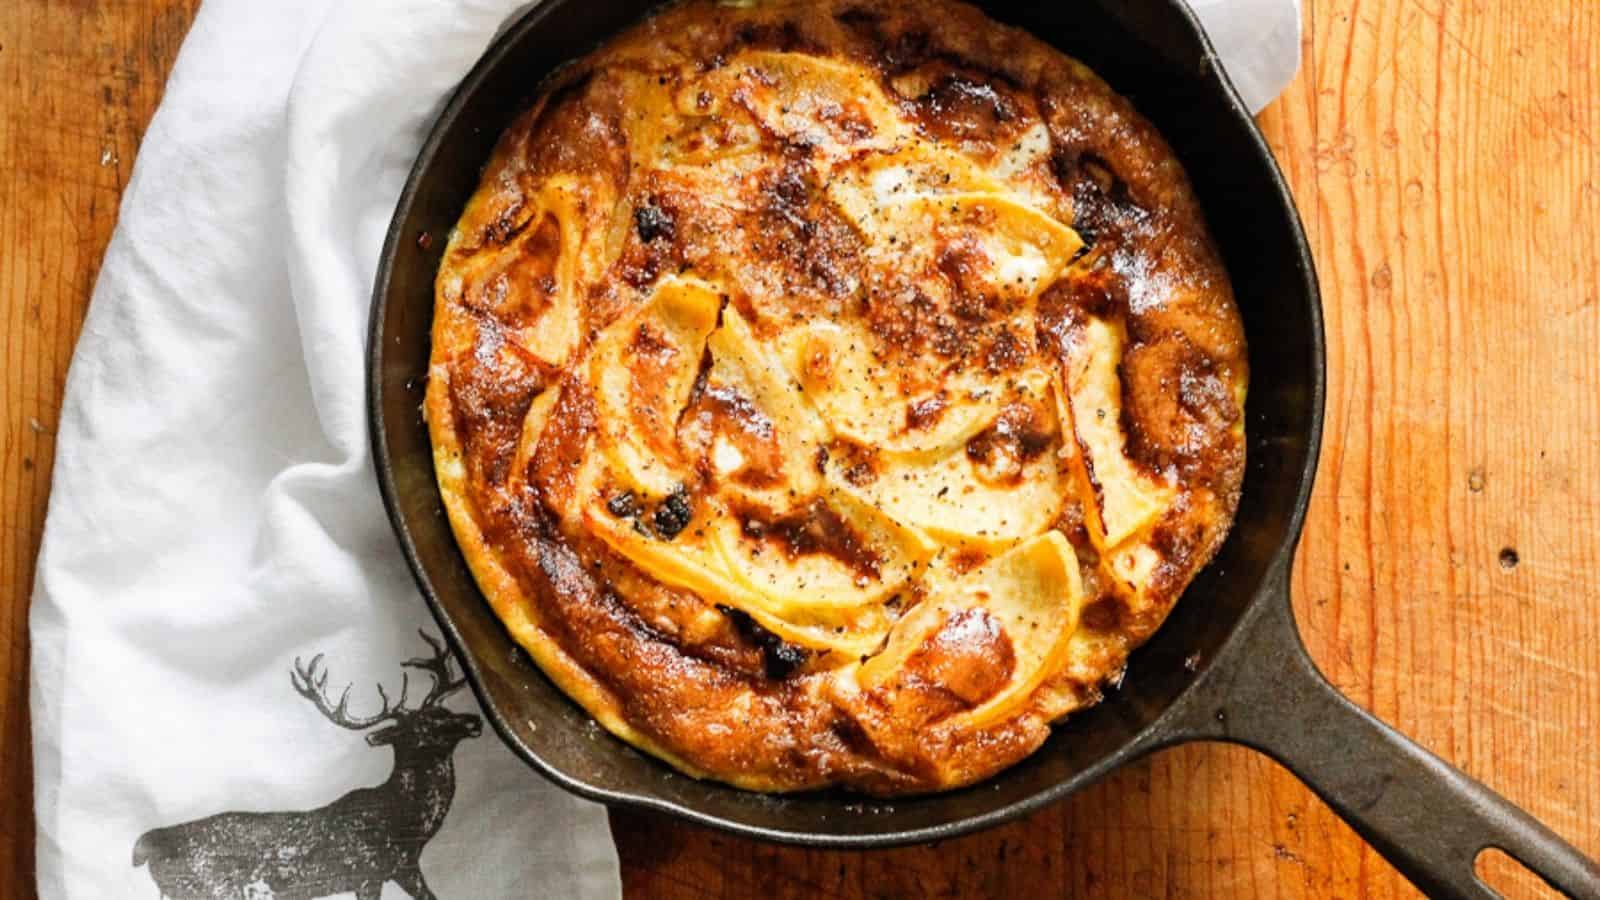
{"x": 214, "y": 519}
{"x": 1258, "y": 42}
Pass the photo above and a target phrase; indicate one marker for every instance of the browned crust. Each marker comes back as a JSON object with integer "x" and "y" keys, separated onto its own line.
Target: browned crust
{"x": 704, "y": 698}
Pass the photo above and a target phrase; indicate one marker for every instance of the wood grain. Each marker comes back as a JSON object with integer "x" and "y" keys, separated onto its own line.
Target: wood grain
{"x": 1444, "y": 156}
{"x": 78, "y": 84}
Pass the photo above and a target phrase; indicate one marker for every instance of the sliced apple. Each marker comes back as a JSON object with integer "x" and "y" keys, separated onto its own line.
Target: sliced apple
{"x": 553, "y": 239}
{"x": 1127, "y": 499}
{"x": 1027, "y": 250}
{"x": 745, "y": 371}
{"x": 533, "y": 428}
{"x": 947, "y": 495}
{"x": 837, "y": 552}
{"x": 1034, "y": 592}
{"x": 900, "y": 200}
{"x": 947, "y": 499}
{"x": 867, "y": 190}
{"x": 643, "y": 369}
{"x": 836, "y": 107}
{"x": 692, "y": 562}
{"x": 864, "y": 398}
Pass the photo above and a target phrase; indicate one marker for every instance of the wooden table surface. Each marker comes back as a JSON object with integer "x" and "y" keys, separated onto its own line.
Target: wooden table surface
{"x": 1444, "y": 156}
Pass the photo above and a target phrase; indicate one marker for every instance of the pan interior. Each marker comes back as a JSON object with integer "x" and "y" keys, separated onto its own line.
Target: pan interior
{"x": 1150, "y": 51}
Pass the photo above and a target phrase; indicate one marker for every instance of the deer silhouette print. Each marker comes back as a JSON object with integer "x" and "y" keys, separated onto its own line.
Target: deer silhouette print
{"x": 354, "y": 844}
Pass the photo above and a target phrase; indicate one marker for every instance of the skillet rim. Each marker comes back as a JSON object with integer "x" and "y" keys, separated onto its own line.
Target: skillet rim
{"x": 1154, "y": 735}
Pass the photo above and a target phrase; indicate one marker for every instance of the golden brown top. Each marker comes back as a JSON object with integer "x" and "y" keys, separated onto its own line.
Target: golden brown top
{"x": 834, "y": 392}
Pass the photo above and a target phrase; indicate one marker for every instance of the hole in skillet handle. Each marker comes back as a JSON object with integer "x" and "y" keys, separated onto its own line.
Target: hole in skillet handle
{"x": 1506, "y": 875}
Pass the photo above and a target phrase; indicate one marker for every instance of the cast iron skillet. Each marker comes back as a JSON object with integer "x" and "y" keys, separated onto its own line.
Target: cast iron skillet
{"x": 1228, "y": 665}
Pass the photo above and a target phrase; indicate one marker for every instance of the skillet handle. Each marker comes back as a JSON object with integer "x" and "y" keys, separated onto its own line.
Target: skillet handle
{"x": 1427, "y": 818}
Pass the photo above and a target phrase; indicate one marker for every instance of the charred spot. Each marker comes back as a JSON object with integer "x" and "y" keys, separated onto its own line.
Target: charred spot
{"x": 1016, "y": 438}
{"x": 906, "y": 50}
{"x": 821, "y": 461}
{"x": 1064, "y": 306}
{"x": 733, "y": 416}
{"x": 790, "y": 190}
{"x": 657, "y": 251}
{"x": 652, "y": 221}
{"x": 1175, "y": 543}
{"x": 976, "y": 308}
{"x": 519, "y": 286}
{"x": 969, "y": 657}
{"x": 1181, "y": 408}
{"x": 1102, "y": 202}
{"x": 490, "y": 396}
{"x": 852, "y": 123}
{"x": 640, "y": 272}
{"x": 851, "y": 736}
{"x": 814, "y": 529}
{"x": 891, "y": 52}
{"x": 673, "y": 514}
{"x": 857, "y": 463}
{"x": 1005, "y": 354}
{"x": 985, "y": 447}
{"x": 649, "y": 346}
{"x": 906, "y": 318}
{"x": 965, "y": 559}
{"x": 860, "y": 19}
{"x": 1019, "y": 426}
{"x": 782, "y": 659}
{"x": 926, "y": 412}
{"x": 951, "y": 339}
{"x": 1070, "y": 522}
{"x": 807, "y": 232}
{"x": 577, "y": 130}
{"x": 963, "y": 263}
{"x": 623, "y": 505}
{"x": 1103, "y": 615}
{"x": 784, "y": 37}
{"x": 1203, "y": 394}
{"x": 960, "y": 107}
{"x": 506, "y": 518}
{"x": 779, "y": 658}
{"x": 508, "y": 224}
{"x": 895, "y": 50}
{"x": 563, "y": 569}
{"x": 1031, "y": 442}
{"x": 738, "y": 411}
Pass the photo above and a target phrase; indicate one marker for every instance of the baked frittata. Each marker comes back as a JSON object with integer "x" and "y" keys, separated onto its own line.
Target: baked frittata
{"x": 836, "y": 392}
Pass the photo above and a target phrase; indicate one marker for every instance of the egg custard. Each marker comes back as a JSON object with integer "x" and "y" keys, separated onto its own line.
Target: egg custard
{"x": 835, "y": 392}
